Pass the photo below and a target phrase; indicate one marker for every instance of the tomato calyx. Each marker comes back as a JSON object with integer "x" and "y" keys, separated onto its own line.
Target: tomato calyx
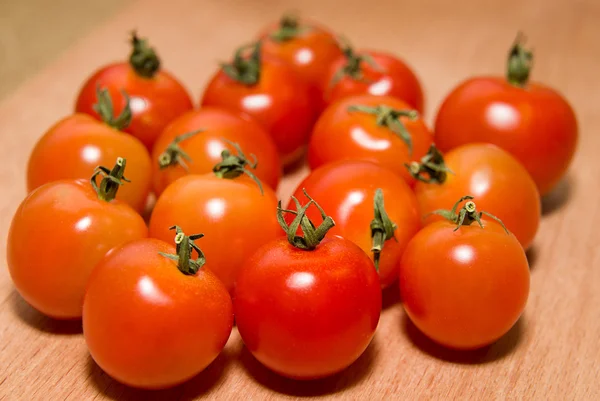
{"x": 104, "y": 108}
{"x": 519, "y": 64}
{"x": 143, "y": 58}
{"x": 382, "y": 227}
{"x": 467, "y": 214}
{"x": 174, "y": 155}
{"x": 352, "y": 68}
{"x": 312, "y": 235}
{"x": 244, "y": 69}
{"x": 289, "y": 28}
{"x": 390, "y": 118}
{"x": 184, "y": 246}
{"x": 111, "y": 180}
{"x": 233, "y": 166}
{"x": 431, "y": 169}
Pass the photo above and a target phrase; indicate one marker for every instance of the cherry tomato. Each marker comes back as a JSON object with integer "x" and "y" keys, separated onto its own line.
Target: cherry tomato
{"x": 500, "y": 183}
{"x": 233, "y": 213}
{"x": 464, "y": 288}
{"x": 58, "y": 235}
{"x": 192, "y": 144}
{"x": 531, "y": 121}
{"x": 156, "y": 96}
{"x": 347, "y": 190}
{"x": 153, "y": 322}
{"x": 307, "y": 307}
{"x": 378, "y": 129}
{"x": 374, "y": 73}
{"x": 76, "y": 145}
{"x": 268, "y": 90}
{"x": 307, "y": 46}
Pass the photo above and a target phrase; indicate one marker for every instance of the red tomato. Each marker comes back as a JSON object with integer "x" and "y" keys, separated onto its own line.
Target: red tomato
{"x": 307, "y": 46}
{"x": 152, "y": 322}
{"x": 370, "y": 72}
{"x": 192, "y": 144}
{"x": 268, "y": 90}
{"x": 307, "y": 308}
{"x": 87, "y": 144}
{"x": 58, "y": 235}
{"x": 464, "y": 288}
{"x": 231, "y": 211}
{"x": 531, "y": 121}
{"x": 346, "y": 189}
{"x": 383, "y": 131}
{"x": 497, "y": 180}
{"x": 156, "y": 96}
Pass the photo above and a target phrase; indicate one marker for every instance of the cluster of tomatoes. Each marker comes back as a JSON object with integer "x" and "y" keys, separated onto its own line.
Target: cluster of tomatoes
{"x": 382, "y": 204}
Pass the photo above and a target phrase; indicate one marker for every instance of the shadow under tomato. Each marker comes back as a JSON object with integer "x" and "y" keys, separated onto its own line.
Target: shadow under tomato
{"x": 348, "y": 378}
{"x": 200, "y": 385}
{"x": 558, "y": 197}
{"x": 532, "y": 256}
{"x": 34, "y": 318}
{"x": 498, "y": 350}
{"x": 390, "y": 296}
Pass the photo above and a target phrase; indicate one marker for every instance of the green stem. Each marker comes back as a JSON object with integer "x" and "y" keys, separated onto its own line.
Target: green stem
{"x": 432, "y": 169}
{"x": 390, "y": 118}
{"x": 312, "y": 235}
{"x": 104, "y": 108}
{"x": 111, "y": 181}
{"x": 185, "y": 245}
{"x": 353, "y": 67}
{"x": 233, "y": 166}
{"x": 519, "y": 64}
{"x": 289, "y": 28}
{"x": 245, "y": 69}
{"x": 174, "y": 155}
{"x": 143, "y": 58}
{"x": 467, "y": 214}
{"x": 382, "y": 228}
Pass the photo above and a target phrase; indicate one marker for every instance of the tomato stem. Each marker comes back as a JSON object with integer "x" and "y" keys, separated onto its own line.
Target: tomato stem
{"x": 352, "y": 68}
{"x": 312, "y": 235}
{"x": 174, "y": 155}
{"x": 382, "y": 228}
{"x": 245, "y": 69}
{"x": 233, "y": 166}
{"x": 519, "y": 64}
{"x": 390, "y": 118}
{"x": 185, "y": 245}
{"x": 143, "y": 58}
{"x": 432, "y": 169}
{"x": 289, "y": 28}
{"x": 111, "y": 181}
{"x": 104, "y": 108}
{"x": 467, "y": 214}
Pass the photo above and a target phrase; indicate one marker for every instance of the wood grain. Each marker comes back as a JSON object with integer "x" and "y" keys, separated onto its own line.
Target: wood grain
{"x": 554, "y": 350}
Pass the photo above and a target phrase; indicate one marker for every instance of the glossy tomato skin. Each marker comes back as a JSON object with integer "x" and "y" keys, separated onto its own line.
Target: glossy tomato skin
{"x": 500, "y": 184}
{"x": 147, "y": 324}
{"x": 311, "y": 54}
{"x": 235, "y": 218}
{"x": 205, "y": 148}
{"x": 57, "y": 236}
{"x": 154, "y": 102}
{"x": 76, "y": 145}
{"x": 464, "y": 289}
{"x": 307, "y": 314}
{"x": 535, "y": 124}
{"x": 340, "y": 134}
{"x": 345, "y": 190}
{"x": 394, "y": 78}
{"x": 280, "y": 101}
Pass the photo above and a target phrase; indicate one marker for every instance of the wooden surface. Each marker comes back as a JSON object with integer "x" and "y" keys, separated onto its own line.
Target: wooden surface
{"x": 554, "y": 350}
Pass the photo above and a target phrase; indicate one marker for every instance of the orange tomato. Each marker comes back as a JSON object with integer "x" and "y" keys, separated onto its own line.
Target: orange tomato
{"x": 59, "y": 233}
{"x": 192, "y": 144}
{"x": 497, "y": 180}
